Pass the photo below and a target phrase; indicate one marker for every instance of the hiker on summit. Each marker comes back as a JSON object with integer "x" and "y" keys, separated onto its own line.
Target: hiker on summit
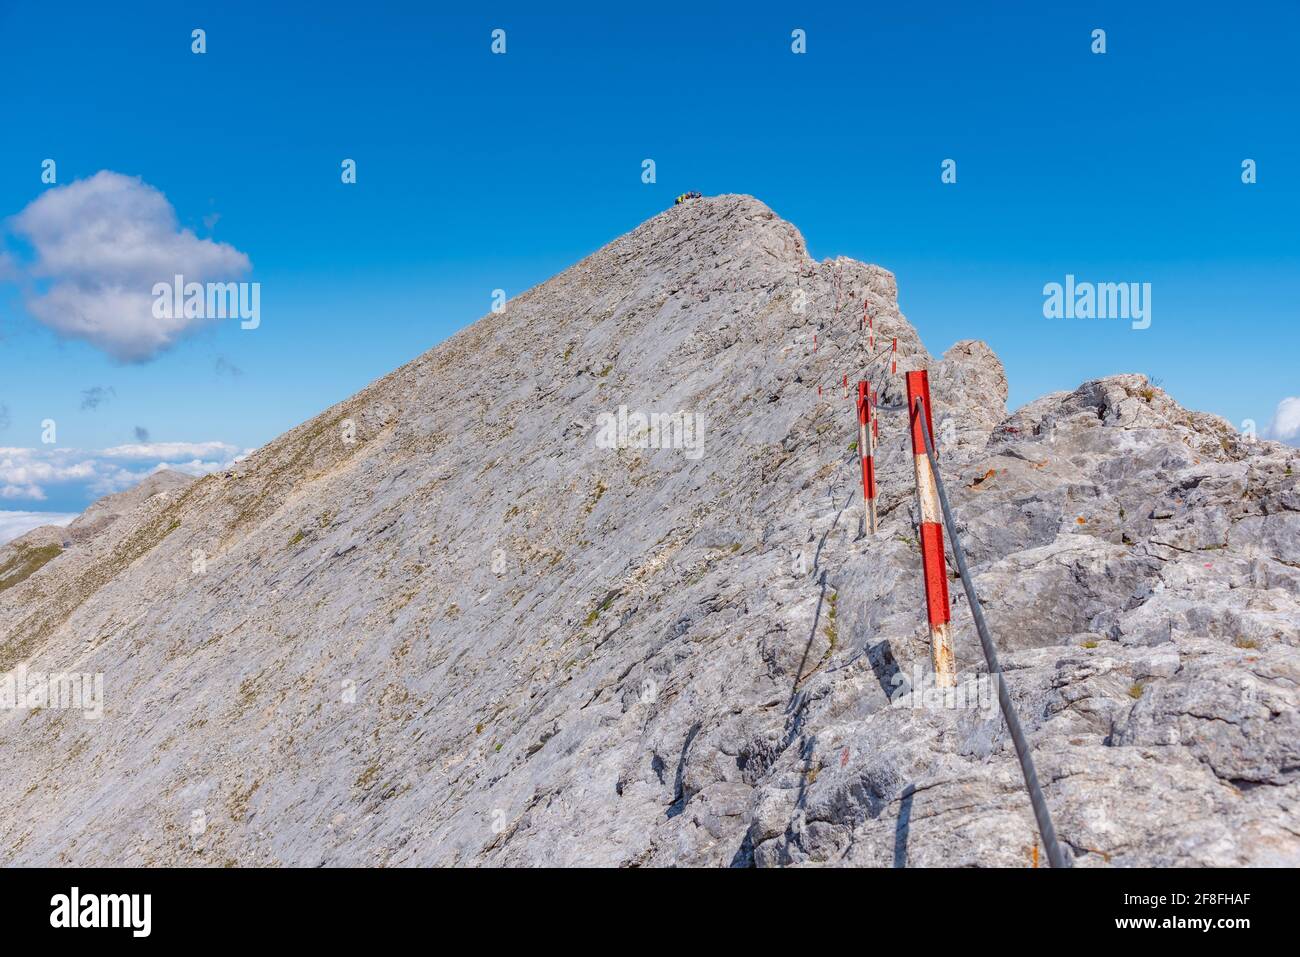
{"x": 685, "y": 196}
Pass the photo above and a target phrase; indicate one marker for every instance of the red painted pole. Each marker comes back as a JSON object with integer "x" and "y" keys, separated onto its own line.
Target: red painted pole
{"x": 893, "y": 359}
{"x": 846, "y": 385}
{"x": 867, "y": 451}
{"x": 931, "y": 534}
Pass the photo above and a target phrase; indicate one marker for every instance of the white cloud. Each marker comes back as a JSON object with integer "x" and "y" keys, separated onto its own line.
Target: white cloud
{"x": 13, "y": 524}
{"x": 33, "y": 492}
{"x": 100, "y": 245}
{"x": 25, "y": 472}
{"x": 172, "y": 450}
{"x": 28, "y": 474}
{"x": 1285, "y": 426}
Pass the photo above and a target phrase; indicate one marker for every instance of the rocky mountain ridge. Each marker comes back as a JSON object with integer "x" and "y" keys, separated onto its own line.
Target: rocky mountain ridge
{"x": 441, "y": 623}
{"x": 23, "y": 556}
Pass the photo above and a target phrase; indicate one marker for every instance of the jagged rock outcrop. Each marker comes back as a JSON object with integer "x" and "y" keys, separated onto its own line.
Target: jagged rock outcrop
{"x": 442, "y": 623}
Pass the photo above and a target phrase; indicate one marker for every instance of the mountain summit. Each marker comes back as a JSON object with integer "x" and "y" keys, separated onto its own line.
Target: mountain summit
{"x": 586, "y": 584}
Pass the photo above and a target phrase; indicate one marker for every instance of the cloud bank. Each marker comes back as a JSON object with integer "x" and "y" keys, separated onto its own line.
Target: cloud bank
{"x": 28, "y": 475}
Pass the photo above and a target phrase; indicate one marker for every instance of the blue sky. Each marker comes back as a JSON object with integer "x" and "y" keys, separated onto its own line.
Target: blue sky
{"x": 477, "y": 172}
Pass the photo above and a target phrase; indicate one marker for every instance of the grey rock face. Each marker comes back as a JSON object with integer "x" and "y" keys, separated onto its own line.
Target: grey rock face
{"x": 103, "y": 513}
{"x": 445, "y": 623}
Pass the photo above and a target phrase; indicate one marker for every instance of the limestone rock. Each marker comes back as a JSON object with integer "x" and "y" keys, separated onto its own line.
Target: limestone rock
{"x": 444, "y": 623}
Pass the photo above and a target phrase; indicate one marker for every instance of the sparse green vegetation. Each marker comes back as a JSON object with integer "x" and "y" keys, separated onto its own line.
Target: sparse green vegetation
{"x": 831, "y": 631}
{"x": 239, "y": 802}
{"x": 247, "y": 692}
{"x": 367, "y": 777}
{"x": 297, "y": 537}
{"x": 603, "y": 606}
{"x": 1246, "y": 643}
{"x": 1135, "y": 691}
{"x": 597, "y": 491}
{"x": 25, "y": 563}
{"x": 1090, "y": 644}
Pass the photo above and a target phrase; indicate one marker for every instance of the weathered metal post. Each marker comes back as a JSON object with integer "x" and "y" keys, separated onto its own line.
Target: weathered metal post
{"x": 934, "y": 567}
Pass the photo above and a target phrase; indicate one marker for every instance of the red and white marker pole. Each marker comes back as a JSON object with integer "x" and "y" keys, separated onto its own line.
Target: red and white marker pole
{"x": 893, "y": 358}
{"x": 932, "y": 561}
{"x": 846, "y": 385}
{"x": 867, "y": 450}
